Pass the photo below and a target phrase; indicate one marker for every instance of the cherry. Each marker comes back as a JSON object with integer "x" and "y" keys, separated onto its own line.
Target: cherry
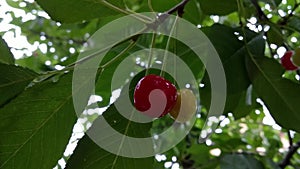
{"x": 296, "y": 57}
{"x": 286, "y": 61}
{"x": 154, "y": 96}
{"x": 185, "y": 107}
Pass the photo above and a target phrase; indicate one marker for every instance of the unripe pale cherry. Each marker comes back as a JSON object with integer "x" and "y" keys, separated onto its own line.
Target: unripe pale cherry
{"x": 286, "y": 61}
{"x": 296, "y": 57}
{"x": 185, "y": 107}
{"x": 154, "y": 96}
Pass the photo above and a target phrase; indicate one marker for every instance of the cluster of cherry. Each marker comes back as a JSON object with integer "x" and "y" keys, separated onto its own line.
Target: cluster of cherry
{"x": 291, "y": 60}
{"x": 155, "y": 97}
{"x": 182, "y": 104}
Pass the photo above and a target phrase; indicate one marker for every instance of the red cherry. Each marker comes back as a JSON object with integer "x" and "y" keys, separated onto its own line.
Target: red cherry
{"x": 286, "y": 61}
{"x": 154, "y": 96}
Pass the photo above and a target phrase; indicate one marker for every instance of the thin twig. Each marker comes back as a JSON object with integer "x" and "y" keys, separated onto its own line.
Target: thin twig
{"x": 167, "y": 47}
{"x": 138, "y": 16}
{"x": 286, "y": 18}
{"x": 298, "y": 73}
{"x": 287, "y": 160}
{"x": 290, "y": 138}
{"x": 261, "y": 15}
{"x": 163, "y": 16}
{"x": 151, "y": 53}
{"x": 177, "y": 8}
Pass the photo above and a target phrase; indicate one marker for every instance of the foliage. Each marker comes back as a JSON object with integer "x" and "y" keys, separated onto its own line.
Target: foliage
{"x": 38, "y": 120}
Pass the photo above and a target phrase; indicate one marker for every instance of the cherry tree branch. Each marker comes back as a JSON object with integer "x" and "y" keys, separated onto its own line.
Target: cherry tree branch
{"x": 177, "y": 8}
{"x": 298, "y": 73}
{"x": 290, "y": 138}
{"x": 287, "y": 160}
{"x": 261, "y": 15}
{"x": 291, "y": 14}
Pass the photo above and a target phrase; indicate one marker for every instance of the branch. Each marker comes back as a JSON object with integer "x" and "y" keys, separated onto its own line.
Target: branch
{"x": 179, "y": 8}
{"x": 261, "y": 15}
{"x": 161, "y": 18}
{"x": 286, "y": 161}
{"x": 286, "y": 18}
{"x": 290, "y": 138}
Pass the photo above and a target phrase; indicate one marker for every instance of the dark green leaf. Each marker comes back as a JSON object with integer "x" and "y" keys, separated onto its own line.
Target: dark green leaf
{"x": 273, "y": 3}
{"x": 200, "y": 153}
{"x": 232, "y": 54}
{"x": 280, "y": 95}
{"x": 35, "y": 63}
{"x": 218, "y": 7}
{"x": 5, "y": 54}
{"x": 90, "y": 155}
{"x": 36, "y": 126}
{"x": 13, "y": 81}
{"x": 162, "y": 6}
{"x": 190, "y": 59}
{"x": 275, "y": 36}
{"x": 294, "y": 23}
{"x": 240, "y": 161}
{"x": 192, "y": 10}
{"x": 246, "y": 104}
{"x": 104, "y": 82}
{"x": 69, "y": 11}
{"x": 270, "y": 164}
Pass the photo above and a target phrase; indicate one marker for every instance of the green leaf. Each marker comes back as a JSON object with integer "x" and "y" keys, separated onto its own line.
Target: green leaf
{"x": 246, "y": 103}
{"x": 90, "y": 155}
{"x": 277, "y": 2}
{"x": 280, "y": 95}
{"x": 192, "y": 10}
{"x": 218, "y": 7}
{"x": 240, "y": 161}
{"x": 162, "y": 6}
{"x": 36, "y": 126}
{"x": 13, "y": 81}
{"x": 5, "y": 55}
{"x": 294, "y": 23}
{"x": 275, "y": 36}
{"x": 273, "y": 3}
{"x": 200, "y": 153}
{"x": 190, "y": 59}
{"x": 104, "y": 81}
{"x": 269, "y": 163}
{"x": 35, "y": 63}
{"x": 69, "y": 11}
{"x": 232, "y": 54}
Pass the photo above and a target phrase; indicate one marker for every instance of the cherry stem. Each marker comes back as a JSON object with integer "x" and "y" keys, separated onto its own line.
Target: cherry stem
{"x": 175, "y": 62}
{"x": 151, "y": 53}
{"x": 167, "y": 47}
{"x": 139, "y": 17}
